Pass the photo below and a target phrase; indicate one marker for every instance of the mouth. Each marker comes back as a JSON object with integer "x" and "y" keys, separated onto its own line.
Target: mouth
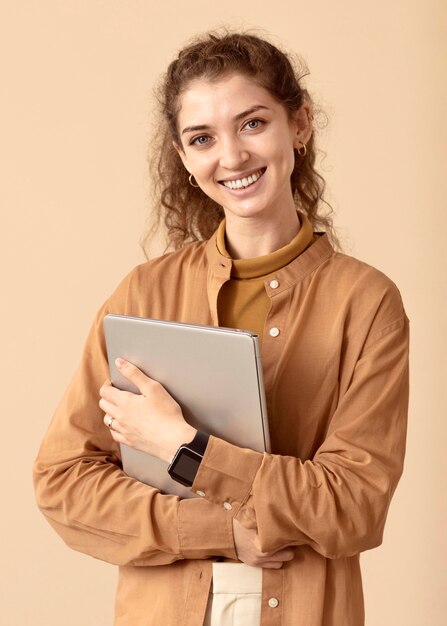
{"x": 244, "y": 182}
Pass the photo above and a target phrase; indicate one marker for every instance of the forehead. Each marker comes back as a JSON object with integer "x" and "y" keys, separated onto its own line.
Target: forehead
{"x": 206, "y": 100}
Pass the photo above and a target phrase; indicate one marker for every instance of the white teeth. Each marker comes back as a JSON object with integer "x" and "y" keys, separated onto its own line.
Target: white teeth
{"x": 243, "y": 182}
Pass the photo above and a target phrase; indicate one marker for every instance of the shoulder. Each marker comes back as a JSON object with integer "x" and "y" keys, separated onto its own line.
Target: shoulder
{"x": 160, "y": 274}
{"x": 366, "y": 299}
{"x": 344, "y": 276}
{"x": 363, "y": 284}
{"x": 190, "y": 257}
{"x": 356, "y": 275}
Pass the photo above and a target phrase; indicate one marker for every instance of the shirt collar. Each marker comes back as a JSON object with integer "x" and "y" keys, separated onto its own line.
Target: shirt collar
{"x": 266, "y": 264}
{"x": 300, "y": 267}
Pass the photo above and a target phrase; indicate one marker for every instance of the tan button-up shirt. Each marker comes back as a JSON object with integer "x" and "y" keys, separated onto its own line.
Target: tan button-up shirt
{"x": 335, "y": 351}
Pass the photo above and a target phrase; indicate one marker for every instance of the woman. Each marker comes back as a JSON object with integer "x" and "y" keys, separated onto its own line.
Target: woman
{"x": 286, "y": 528}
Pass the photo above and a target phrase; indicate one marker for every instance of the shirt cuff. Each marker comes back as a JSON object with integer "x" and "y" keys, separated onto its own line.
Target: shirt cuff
{"x": 226, "y": 474}
{"x": 205, "y": 530}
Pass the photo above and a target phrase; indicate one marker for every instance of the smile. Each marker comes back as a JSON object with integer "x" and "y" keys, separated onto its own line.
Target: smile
{"x": 240, "y": 183}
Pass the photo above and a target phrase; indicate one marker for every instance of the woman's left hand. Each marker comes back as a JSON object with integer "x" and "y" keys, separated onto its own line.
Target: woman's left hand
{"x": 151, "y": 422}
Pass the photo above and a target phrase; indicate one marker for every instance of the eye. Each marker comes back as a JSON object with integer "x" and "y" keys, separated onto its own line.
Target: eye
{"x": 253, "y": 124}
{"x": 201, "y": 140}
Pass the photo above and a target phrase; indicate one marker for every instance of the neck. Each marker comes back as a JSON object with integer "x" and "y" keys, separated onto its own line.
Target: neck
{"x": 249, "y": 238}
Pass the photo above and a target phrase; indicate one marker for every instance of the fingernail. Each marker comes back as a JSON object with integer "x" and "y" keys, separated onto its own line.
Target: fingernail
{"x": 120, "y": 362}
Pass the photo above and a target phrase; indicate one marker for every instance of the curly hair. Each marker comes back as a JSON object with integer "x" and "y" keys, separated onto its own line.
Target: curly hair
{"x": 185, "y": 211}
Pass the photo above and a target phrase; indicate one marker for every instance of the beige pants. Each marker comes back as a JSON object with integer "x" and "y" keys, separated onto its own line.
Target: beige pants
{"x": 235, "y": 599}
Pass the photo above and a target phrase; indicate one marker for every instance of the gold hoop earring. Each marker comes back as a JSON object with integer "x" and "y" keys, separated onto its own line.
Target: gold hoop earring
{"x": 192, "y": 181}
{"x": 302, "y": 151}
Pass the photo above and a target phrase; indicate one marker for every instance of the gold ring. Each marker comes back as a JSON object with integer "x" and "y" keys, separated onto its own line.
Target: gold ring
{"x": 110, "y": 422}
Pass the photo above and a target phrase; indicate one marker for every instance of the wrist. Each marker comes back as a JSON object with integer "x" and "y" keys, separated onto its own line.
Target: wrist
{"x": 184, "y": 435}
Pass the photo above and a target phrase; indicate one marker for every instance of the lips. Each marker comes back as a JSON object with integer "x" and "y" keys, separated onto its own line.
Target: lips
{"x": 243, "y": 182}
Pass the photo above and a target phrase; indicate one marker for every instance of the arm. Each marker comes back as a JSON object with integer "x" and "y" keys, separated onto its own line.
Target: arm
{"x": 152, "y": 422}
{"x": 336, "y": 502}
{"x": 94, "y": 506}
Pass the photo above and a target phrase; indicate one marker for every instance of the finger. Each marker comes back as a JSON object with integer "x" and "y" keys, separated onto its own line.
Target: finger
{"x": 132, "y": 373}
{"x": 109, "y": 408}
{"x": 119, "y": 437}
{"x": 268, "y": 563}
{"x": 106, "y": 389}
{"x": 273, "y": 558}
{"x": 277, "y": 560}
{"x": 111, "y": 422}
{"x": 113, "y": 394}
{"x": 272, "y": 565}
{"x": 280, "y": 555}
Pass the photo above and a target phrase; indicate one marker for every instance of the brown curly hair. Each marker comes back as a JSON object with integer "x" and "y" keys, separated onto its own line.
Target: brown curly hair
{"x": 186, "y": 212}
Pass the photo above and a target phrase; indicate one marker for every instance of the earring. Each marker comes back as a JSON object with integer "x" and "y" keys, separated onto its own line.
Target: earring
{"x": 302, "y": 151}
{"x": 192, "y": 181}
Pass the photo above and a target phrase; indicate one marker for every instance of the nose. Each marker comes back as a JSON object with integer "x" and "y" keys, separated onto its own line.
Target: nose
{"x": 233, "y": 153}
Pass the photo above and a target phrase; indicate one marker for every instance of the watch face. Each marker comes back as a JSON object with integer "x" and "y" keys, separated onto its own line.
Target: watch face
{"x": 184, "y": 466}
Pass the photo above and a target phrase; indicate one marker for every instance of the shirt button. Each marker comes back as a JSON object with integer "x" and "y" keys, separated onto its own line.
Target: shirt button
{"x": 200, "y": 493}
{"x": 274, "y": 284}
{"x": 227, "y": 506}
{"x": 273, "y": 603}
{"x": 274, "y": 332}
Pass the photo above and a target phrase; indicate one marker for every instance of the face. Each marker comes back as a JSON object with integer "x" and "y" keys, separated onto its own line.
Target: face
{"x": 238, "y": 143}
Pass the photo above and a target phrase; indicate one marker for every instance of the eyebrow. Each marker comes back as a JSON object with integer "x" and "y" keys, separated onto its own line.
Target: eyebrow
{"x": 236, "y": 118}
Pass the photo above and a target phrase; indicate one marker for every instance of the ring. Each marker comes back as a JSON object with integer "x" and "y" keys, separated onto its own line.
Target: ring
{"x": 110, "y": 422}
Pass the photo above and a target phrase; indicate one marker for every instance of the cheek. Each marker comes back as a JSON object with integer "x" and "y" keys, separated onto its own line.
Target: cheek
{"x": 198, "y": 165}
{"x": 287, "y": 160}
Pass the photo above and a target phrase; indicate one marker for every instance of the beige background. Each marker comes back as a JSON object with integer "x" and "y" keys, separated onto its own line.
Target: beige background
{"x": 75, "y": 80}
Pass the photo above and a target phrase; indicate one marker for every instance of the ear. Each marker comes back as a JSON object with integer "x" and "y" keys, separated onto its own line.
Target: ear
{"x": 303, "y": 124}
{"x": 182, "y": 155}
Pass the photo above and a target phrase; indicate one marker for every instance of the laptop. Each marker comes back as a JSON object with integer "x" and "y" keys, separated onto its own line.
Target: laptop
{"x": 214, "y": 373}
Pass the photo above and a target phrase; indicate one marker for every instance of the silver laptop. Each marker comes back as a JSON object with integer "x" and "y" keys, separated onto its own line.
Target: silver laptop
{"x": 214, "y": 373}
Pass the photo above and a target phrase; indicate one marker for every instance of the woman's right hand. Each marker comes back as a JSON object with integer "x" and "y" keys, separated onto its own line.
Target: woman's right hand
{"x": 248, "y": 551}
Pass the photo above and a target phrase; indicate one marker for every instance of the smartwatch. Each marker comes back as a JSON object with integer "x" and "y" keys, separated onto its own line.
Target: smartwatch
{"x": 185, "y": 464}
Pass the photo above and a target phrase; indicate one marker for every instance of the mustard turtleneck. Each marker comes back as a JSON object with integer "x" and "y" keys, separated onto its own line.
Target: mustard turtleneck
{"x": 243, "y": 301}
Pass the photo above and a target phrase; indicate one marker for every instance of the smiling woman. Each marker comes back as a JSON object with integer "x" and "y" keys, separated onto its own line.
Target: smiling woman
{"x": 238, "y": 142}
{"x": 274, "y": 538}
{"x": 215, "y": 64}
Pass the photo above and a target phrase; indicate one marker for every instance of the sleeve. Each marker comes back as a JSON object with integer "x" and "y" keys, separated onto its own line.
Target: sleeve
{"x": 95, "y": 507}
{"x": 337, "y": 501}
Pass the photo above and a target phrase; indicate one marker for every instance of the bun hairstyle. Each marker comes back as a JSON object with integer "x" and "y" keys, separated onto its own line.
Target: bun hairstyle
{"x": 185, "y": 211}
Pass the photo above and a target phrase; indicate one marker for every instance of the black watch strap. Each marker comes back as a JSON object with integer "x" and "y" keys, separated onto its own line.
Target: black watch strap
{"x": 199, "y": 443}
